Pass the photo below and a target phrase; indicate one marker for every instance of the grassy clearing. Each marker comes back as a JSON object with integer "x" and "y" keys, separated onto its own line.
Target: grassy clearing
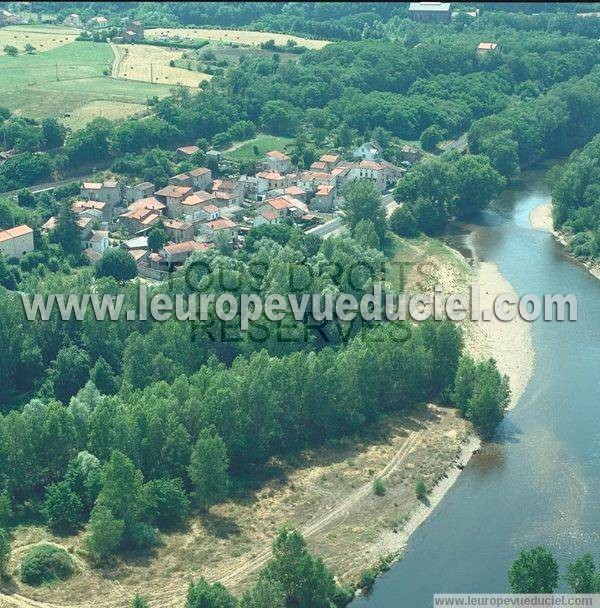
{"x": 30, "y": 86}
{"x": 113, "y": 110}
{"x": 416, "y": 264}
{"x": 147, "y": 63}
{"x": 42, "y": 38}
{"x": 235, "y": 36}
{"x": 264, "y": 143}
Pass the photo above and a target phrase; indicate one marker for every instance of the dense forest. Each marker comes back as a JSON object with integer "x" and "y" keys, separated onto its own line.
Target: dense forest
{"x": 576, "y": 200}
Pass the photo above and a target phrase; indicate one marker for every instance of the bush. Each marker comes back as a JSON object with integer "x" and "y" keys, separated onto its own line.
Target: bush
{"x": 142, "y": 536}
{"x": 431, "y": 137}
{"x": 165, "y": 502}
{"x": 378, "y": 487}
{"x": 403, "y": 223}
{"x": 46, "y": 564}
{"x": 367, "y": 578}
{"x": 421, "y": 489}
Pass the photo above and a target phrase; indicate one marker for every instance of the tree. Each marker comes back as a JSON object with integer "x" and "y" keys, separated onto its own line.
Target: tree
{"x": 45, "y": 564}
{"x": 403, "y": 223}
{"x": 121, "y": 487}
{"x": 104, "y": 533}
{"x": 84, "y": 476}
{"x": 66, "y": 232}
{"x": 444, "y": 340}
{"x": 503, "y": 151}
{"x": 198, "y": 158}
{"x": 138, "y": 602}
{"x": 4, "y": 552}
{"x": 69, "y": 372}
{"x": 53, "y": 132}
{"x": 25, "y": 198}
{"x": 280, "y": 117}
{"x": 490, "y": 398}
{"x": 464, "y": 383}
{"x": 365, "y": 235}
{"x": 62, "y": 508}
{"x": 208, "y": 469}
{"x": 266, "y": 593}
{"x": 103, "y": 377}
{"x": 581, "y": 575}
{"x": 378, "y": 487}
{"x": 477, "y": 182}
{"x": 116, "y": 263}
{"x": 205, "y": 595}
{"x": 29, "y": 49}
{"x": 305, "y": 580}
{"x": 430, "y": 215}
{"x": 11, "y": 51}
{"x": 165, "y": 503}
{"x": 420, "y": 489}
{"x": 362, "y": 201}
{"x": 431, "y": 137}
{"x": 534, "y": 571}
{"x": 6, "y": 511}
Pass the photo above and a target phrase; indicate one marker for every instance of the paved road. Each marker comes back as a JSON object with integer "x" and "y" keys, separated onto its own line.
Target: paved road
{"x": 335, "y": 226}
{"x": 459, "y": 144}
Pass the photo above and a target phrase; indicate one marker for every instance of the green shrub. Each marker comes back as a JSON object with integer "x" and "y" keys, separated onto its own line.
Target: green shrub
{"x": 421, "y": 489}
{"x": 367, "y": 578}
{"x": 378, "y": 487}
{"x": 46, "y": 564}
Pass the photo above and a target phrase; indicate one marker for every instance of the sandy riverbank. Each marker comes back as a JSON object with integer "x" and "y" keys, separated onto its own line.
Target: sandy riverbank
{"x": 510, "y": 344}
{"x": 541, "y": 219}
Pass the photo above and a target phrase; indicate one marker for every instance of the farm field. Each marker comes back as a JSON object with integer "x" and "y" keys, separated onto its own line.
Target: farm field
{"x": 238, "y": 36}
{"x": 108, "y": 109}
{"x": 135, "y": 61}
{"x": 264, "y": 143}
{"x": 68, "y": 78}
{"x": 43, "y": 38}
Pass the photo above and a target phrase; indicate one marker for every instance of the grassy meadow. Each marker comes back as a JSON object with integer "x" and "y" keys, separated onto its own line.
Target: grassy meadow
{"x": 70, "y": 79}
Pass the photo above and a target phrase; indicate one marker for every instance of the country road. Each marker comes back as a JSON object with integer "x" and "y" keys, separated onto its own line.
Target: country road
{"x": 459, "y": 144}
{"x": 334, "y": 226}
{"x": 115, "y": 65}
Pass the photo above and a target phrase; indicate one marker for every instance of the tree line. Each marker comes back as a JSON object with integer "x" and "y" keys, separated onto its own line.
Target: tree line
{"x": 576, "y": 200}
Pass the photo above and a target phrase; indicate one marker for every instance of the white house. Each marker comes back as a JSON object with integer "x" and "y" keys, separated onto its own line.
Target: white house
{"x": 368, "y": 169}
{"x": 269, "y": 180}
{"x": 370, "y": 150}
{"x": 97, "y": 241}
{"x": 277, "y": 161}
{"x": 107, "y": 192}
{"x": 16, "y": 241}
{"x": 201, "y": 178}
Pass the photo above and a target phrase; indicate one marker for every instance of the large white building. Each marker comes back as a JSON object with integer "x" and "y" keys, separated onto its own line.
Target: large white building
{"x": 16, "y": 241}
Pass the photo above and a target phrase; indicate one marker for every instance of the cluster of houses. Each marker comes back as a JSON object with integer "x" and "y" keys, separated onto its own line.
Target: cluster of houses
{"x": 197, "y": 211}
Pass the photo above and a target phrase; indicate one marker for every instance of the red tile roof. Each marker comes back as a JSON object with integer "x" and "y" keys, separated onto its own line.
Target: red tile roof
{"x": 277, "y": 155}
{"x": 15, "y": 232}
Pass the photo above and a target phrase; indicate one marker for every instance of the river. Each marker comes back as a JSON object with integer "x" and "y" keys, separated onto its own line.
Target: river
{"x": 538, "y": 482}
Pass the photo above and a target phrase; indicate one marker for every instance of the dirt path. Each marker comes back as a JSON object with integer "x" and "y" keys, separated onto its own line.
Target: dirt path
{"x": 115, "y": 66}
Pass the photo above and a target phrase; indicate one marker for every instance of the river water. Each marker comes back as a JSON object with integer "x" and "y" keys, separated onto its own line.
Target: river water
{"x": 538, "y": 483}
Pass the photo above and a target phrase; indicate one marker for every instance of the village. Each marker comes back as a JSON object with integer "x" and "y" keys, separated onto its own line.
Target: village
{"x": 199, "y": 211}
